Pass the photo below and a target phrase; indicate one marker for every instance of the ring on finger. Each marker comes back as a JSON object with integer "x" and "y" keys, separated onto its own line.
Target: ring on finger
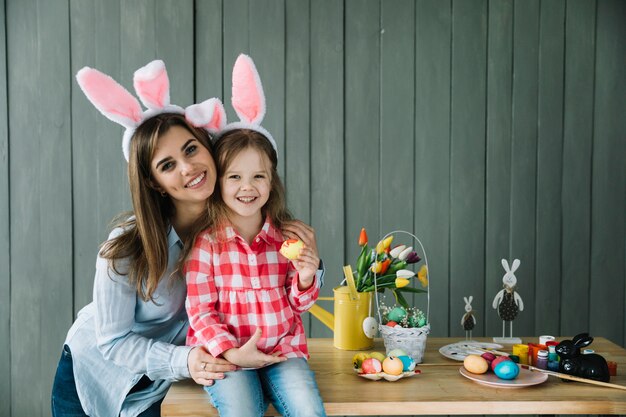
{"x": 204, "y": 366}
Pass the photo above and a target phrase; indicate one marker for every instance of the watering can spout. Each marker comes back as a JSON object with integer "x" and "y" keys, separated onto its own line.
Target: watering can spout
{"x": 322, "y": 315}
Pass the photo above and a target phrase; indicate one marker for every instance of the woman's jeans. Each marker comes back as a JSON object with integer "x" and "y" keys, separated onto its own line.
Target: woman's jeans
{"x": 289, "y": 385}
{"x": 65, "y": 401}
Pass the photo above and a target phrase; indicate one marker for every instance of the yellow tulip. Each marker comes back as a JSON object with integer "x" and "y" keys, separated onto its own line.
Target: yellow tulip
{"x": 422, "y": 275}
{"x": 383, "y": 245}
{"x": 401, "y": 282}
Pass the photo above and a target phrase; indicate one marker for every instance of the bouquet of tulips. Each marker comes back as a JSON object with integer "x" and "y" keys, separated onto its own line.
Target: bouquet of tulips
{"x": 390, "y": 266}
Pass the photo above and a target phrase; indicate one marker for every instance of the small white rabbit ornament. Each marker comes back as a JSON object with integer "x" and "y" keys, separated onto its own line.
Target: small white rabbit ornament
{"x": 507, "y": 301}
{"x": 468, "y": 321}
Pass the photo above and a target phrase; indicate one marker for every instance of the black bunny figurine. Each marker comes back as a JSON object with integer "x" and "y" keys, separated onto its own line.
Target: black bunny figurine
{"x": 592, "y": 365}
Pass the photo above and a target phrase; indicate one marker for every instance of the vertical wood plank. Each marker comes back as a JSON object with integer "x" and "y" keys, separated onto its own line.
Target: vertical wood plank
{"x": 236, "y": 40}
{"x": 40, "y": 200}
{"x": 432, "y": 33}
{"x": 267, "y": 49}
{"x": 498, "y": 185}
{"x": 362, "y": 124}
{"x": 297, "y": 148}
{"x": 297, "y": 109}
{"x": 397, "y": 131}
{"x": 174, "y": 39}
{"x": 549, "y": 167}
{"x": 524, "y": 157}
{"x": 208, "y": 50}
{"x": 576, "y": 197}
{"x": 433, "y": 37}
{"x": 467, "y": 155}
{"x": 608, "y": 174}
{"x": 5, "y": 228}
{"x": 327, "y": 171}
{"x": 99, "y": 185}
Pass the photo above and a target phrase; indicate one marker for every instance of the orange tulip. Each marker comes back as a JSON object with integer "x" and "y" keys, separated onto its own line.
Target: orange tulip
{"x": 363, "y": 237}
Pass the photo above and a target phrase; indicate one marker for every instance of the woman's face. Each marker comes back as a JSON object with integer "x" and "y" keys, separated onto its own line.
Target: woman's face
{"x": 183, "y": 168}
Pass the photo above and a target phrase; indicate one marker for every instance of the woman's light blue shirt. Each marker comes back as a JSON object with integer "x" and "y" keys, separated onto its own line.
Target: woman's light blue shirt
{"x": 118, "y": 338}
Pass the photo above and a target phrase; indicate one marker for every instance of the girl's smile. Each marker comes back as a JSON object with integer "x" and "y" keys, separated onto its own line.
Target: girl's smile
{"x": 246, "y": 184}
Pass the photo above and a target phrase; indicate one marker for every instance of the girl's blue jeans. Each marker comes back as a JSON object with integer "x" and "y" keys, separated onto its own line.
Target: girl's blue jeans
{"x": 65, "y": 401}
{"x": 289, "y": 385}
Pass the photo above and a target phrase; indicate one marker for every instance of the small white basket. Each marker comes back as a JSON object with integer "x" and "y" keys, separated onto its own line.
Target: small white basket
{"x": 413, "y": 339}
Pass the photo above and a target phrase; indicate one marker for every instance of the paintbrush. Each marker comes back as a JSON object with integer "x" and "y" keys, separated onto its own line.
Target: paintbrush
{"x": 573, "y": 378}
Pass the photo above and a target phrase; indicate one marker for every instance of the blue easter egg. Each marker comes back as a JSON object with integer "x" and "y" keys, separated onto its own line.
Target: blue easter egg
{"x": 408, "y": 364}
{"x": 396, "y": 314}
{"x": 506, "y": 370}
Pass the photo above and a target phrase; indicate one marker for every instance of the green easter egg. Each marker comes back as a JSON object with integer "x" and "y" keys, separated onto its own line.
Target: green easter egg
{"x": 397, "y": 314}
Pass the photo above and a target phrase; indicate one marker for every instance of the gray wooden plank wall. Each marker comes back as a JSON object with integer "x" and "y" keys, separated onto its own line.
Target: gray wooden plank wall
{"x": 490, "y": 128}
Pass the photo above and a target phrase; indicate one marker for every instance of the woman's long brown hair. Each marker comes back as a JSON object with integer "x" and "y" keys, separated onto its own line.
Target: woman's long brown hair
{"x": 143, "y": 241}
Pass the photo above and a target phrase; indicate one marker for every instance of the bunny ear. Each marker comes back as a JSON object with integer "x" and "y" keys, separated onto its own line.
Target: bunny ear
{"x": 113, "y": 100}
{"x": 248, "y": 99}
{"x": 505, "y": 265}
{"x": 470, "y": 299}
{"x": 209, "y": 114}
{"x": 465, "y": 299}
{"x": 152, "y": 85}
{"x": 516, "y": 263}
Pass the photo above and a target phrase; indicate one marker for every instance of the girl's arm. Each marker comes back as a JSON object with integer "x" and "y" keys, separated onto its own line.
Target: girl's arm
{"x": 302, "y": 283}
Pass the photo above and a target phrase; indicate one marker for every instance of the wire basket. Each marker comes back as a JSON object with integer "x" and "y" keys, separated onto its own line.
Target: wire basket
{"x": 412, "y": 340}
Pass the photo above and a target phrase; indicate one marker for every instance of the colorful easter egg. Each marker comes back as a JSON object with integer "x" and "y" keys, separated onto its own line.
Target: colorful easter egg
{"x": 396, "y": 314}
{"x": 397, "y": 352}
{"x": 371, "y": 366}
{"x": 497, "y": 360}
{"x": 290, "y": 248}
{"x": 393, "y": 365}
{"x": 506, "y": 370}
{"x": 408, "y": 364}
{"x": 475, "y": 364}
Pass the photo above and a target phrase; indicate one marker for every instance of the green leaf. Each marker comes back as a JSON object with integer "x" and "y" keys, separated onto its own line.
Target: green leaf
{"x": 400, "y": 298}
{"x": 413, "y": 290}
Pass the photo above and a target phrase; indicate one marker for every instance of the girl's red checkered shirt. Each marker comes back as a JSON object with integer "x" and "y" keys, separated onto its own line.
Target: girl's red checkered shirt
{"x": 234, "y": 287}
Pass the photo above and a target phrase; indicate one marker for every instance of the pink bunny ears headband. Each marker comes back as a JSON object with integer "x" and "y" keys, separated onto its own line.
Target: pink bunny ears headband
{"x": 247, "y": 99}
{"x": 153, "y": 88}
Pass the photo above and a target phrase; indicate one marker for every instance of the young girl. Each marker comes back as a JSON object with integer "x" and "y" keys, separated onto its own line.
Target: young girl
{"x": 244, "y": 299}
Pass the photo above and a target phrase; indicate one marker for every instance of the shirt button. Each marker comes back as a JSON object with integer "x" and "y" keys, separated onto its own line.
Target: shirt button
{"x": 257, "y": 240}
{"x": 252, "y": 259}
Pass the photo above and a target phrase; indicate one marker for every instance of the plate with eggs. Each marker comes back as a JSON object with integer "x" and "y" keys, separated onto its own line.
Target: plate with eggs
{"x": 376, "y": 365}
{"x": 498, "y": 371}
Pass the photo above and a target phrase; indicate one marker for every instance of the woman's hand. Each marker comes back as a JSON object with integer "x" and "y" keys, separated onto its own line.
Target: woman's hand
{"x": 295, "y": 229}
{"x": 248, "y": 356}
{"x": 204, "y": 368}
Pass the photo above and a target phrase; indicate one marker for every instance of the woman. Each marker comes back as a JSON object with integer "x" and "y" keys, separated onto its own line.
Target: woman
{"x": 126, "y": 347}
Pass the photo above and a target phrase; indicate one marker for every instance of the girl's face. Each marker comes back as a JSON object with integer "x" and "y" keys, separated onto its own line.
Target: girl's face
{"x": 183, "y": 168}
{"x": 246, "y": 184}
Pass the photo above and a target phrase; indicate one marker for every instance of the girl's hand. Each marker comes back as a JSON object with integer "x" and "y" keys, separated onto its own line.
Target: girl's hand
{"x": 204, "y": 368}
{"x": 306, "y": 264}
{"x": 295, "y": 229}
{"x": 248, "y": 356}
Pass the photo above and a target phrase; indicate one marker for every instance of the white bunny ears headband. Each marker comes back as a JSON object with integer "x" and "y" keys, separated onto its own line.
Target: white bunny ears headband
{"x": 152, "y": 86}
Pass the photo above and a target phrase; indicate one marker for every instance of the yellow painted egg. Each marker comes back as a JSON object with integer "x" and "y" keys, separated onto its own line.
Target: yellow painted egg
{"x": 290, "y": 248}
{"x": 393, "y": 366}
{"x": 378, "y": 355}
{"x": 476, "y": 364}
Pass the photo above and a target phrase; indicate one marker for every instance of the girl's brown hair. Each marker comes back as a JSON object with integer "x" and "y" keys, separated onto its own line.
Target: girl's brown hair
{"x": 143, "y": 240}
{"x": 226, "y": 149}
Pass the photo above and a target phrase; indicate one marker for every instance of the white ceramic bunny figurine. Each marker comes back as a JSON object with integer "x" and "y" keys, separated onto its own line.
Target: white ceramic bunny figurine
{"x": 507, "y": 301}
{"x": 468, "y": 321}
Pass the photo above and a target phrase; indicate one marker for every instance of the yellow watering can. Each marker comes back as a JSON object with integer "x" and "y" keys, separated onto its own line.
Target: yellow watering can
{"x": 351, "y": 310}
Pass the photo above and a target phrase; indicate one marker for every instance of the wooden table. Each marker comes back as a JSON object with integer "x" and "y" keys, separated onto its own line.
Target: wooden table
{"x": 439, "y": 389}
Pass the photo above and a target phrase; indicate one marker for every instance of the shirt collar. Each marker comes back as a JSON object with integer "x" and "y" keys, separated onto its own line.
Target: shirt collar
{"x": 269, "y": 233}
{"x": 172, "y": 237}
